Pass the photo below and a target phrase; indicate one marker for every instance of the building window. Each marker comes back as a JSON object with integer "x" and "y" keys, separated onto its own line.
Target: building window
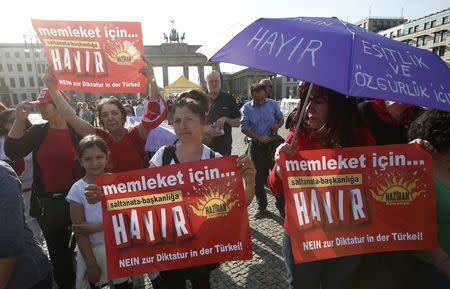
{"x": 24, "y": 96}
{"x": 40, "y": 83}
{"x": 410, "y": 30}
{"x": 444, "y": 35}
{"x": 27, "y": 54}
{"x": 2, "y": 82}
{"x": 441, "y": 50}
{"x": 416, "y": 28}
{"x": 418, "y": 41}
{"x": 391, "y": 35}
{"x": 1, "y": 67}
{"x": 15, "y": 101}
{"x": 435, "y": 49}
{"x": 33, "y": 96}
{"x": 435, "y": 37}
{"x": 10, "y": 68}
{"x": 38, "y": 68}
{"x": 12, "y": 82}
{"x": 432, "y": 23}
{"x": 29, "y": 67}
{"x": 425, "y": 26}
{"x": 31, "y": 81}
{"x": 7, "y": 54}
{"x": 36, "y": 54}
{"x": 445, "y": 20}
{"x": 17, "y": 54}
{"x": 19, "y": 67}
{"x": 22, "y": 82}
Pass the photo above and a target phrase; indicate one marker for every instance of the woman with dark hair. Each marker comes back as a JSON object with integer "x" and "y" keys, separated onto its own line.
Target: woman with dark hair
{"x": 433, "y": 269}
{"x": 126, "y": 145}
{"x": 330, "y": 121}
{"x": 55, "y": 169}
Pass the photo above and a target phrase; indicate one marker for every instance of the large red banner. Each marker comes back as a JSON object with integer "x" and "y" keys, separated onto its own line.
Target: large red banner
{"x": 359, "y": 200}
{"x": 94, "y": 56}
{"x": 174, "y": 217}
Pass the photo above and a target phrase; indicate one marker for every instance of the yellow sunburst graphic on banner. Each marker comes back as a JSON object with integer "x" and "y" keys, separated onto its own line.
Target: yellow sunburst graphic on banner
{"x": 395, "y": 191}
{"x": 213, "y": 204}
{"x": 123, "y": 53}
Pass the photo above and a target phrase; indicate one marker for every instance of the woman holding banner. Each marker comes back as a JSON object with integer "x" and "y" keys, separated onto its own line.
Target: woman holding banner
{"x": 112, "y": 117}
{"x": 330, "y": 122}
{"x": 433, "y": 268}
{"x": 189, "y": 118}
{"x": 55, "y": 169}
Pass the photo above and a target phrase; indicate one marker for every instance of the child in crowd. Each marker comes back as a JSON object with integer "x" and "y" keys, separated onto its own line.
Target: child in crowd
{"x": 87, "y": 222}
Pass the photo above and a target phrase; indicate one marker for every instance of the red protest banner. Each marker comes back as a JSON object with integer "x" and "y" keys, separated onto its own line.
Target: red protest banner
{"x": 94, "y": 56}
{"x": 359, "y": 200}
{"x": 175, "y": 216}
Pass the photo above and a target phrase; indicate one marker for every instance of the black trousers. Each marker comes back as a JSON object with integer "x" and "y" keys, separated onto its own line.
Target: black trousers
{"x": 56, "y": 227}
{"x": 262, "y": 156}
{"x": 176, "y": 279}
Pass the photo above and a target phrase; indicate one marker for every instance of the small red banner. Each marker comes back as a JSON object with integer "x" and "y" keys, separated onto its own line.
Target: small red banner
{"x": 94, "y": 56}
{"x": 359, "y": 200}
{"x": 174, "y": 216}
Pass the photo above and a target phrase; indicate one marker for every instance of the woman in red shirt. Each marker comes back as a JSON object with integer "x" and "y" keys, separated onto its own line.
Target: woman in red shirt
{"x": 55, "y": 169}
{"x": 330, "y": 121}
{"x": 126, "y": 145}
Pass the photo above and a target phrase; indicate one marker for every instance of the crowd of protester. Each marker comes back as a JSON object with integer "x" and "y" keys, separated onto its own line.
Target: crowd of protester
{"x": 55, "y": 161}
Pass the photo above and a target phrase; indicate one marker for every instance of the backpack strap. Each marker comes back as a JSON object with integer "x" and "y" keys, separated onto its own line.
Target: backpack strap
{"x": 212, "y": 154}
{"x": 168, "y": 155}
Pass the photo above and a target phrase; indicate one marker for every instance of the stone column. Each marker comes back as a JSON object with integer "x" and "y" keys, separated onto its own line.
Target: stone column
{"x": 165, "y": 75}
{"x": 216, "y": 66}
{"x": 201, "y": 74}
{"x": 186, "y": 70}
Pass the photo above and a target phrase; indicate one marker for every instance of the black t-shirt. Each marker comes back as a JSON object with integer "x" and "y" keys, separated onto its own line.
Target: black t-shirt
{"x": 223, "y": 106}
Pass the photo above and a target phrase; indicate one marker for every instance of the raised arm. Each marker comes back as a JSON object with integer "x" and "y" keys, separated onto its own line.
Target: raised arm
{"x": 156, "y": 108}
{"x": 21, "y": 142}
{"x": 81, "y": 126}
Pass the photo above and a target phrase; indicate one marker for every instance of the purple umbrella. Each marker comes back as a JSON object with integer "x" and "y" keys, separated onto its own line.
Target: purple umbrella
{"x": 344, "y": 57}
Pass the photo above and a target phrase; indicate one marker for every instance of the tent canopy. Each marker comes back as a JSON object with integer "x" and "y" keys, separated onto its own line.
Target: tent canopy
{"x": 181, "y": 84}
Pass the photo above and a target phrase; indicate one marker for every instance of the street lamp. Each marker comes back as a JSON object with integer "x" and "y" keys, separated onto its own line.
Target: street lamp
{"x": 32, "y": 44}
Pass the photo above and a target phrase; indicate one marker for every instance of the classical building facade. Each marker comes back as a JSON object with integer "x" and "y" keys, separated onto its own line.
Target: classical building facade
{"x": 238, "y": 83}
{"x": 376, "y": 24}
{"x": 20, "y": 67}
{"x": 430, "y": 32}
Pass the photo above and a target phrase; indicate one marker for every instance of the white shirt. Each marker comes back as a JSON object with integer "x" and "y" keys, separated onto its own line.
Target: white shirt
{"x": 158, "y": 137}
{"x": 92, "y": 212}
{"x": 157, "y": 158}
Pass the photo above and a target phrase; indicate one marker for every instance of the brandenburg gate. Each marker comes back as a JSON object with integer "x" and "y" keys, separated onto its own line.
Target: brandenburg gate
{"x": 174, "y": 52}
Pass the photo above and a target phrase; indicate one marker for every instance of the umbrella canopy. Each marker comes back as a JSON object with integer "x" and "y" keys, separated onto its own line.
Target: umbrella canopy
{"x": 344, "y": 57}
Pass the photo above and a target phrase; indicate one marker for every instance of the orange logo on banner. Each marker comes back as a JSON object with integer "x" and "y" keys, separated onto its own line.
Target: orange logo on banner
{"x": 394, "y": 191}
{"x": 214, "y": 204}
{"x": 124, "y": 53}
